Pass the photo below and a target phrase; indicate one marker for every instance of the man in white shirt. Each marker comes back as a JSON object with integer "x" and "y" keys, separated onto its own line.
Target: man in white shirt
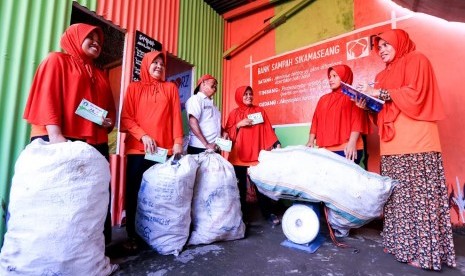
{"x": 203, "y": 116}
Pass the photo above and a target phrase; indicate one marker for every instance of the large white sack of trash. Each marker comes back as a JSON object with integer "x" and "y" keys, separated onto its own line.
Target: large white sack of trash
{"x": 216, "y": 207}
{"x": 58, "y": 203}
{"x": 163, "y": 215}
{"x": 353, "y": 195}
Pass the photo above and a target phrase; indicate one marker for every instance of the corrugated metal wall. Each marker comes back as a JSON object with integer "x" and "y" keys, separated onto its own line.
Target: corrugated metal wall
{"x": 30, "y": 29}
{"x": 157, "y": 19}
{"x": 189, "y": 29}
{"x": 201, "y": 33}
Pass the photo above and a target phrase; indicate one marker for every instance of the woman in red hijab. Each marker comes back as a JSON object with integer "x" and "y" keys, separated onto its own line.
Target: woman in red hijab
{"x": 337, "y": 122}
{"x": 151, "y": 117}
{"x": 248, "y": 140}
{"x": 61, "y": 81}
{"x": 417, "y": 227}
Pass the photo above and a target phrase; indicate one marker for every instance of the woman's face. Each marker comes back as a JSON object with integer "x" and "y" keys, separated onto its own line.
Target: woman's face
{"x": 247, "y": 99}
{"x": 92, "y": 45}
{"x": 386, "y": 51}
{"x": 157, "y": 68}
{"x": 334, "y": 80}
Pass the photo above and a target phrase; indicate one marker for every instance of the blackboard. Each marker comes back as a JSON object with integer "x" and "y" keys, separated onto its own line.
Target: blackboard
{"x": 143, "y": 44}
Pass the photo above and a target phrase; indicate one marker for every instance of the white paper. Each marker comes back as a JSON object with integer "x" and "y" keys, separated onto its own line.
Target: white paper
{"x": 159, "y": 156}
{"x": 256, "y": 118}
{"x": 91, "y": 112}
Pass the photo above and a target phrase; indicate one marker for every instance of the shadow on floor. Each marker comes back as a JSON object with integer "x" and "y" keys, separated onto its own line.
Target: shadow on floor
{"x": 260, "y": 253}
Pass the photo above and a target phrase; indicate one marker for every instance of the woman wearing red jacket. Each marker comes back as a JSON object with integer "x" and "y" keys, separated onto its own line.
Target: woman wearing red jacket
{"x": 248, "y": 140}
{"x": 60, "y": 83}
{"x": 151, "y": 117}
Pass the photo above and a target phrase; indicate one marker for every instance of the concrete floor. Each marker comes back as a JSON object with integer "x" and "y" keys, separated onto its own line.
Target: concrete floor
{"x": 261, "y": 254}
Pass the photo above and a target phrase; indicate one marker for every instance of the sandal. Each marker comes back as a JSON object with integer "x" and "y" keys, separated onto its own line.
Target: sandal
{"x": 273, "y": 220}
{"x": 131, "y": 245}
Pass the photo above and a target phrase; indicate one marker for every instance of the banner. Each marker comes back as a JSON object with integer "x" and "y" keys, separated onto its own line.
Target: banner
{"x": 183, "y": 82}
{"x": 288, "y": 86}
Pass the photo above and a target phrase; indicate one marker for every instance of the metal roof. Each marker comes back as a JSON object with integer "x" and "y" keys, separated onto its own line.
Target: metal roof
{"x": 222, "y": 6}
{"x": 451, "y": 10}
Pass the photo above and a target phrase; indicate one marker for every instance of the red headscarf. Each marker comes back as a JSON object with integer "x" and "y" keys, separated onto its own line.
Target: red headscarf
{"x": 344, "y": 72}
{"x": 73, "y": 37}
{"x": 147, "y": 60}
{"x": 62, "y": 81}
{"x": 147, "y": 82}
{"x": 411, "y": 83}
{"x": 336, "y": 116}
{"x": 249, "y": 141}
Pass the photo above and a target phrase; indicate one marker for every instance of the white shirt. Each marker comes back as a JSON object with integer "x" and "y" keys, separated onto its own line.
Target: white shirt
{"x": 209, "y": 117}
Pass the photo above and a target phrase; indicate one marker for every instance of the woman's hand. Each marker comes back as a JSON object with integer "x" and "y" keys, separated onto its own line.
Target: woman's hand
{"x": 150, "y": 145}
{"x": 54, "y": 134}
{"x": 361, "y": 103}
{"x": 244, "y": 122}
{"x": 311, "y": 141}
{"x": 177, "y": 149}
{"x": 364, "y": 87}
{"x": 107, "y": 123}
{"x": 350, "y": 151}
{"x": 53, "y": 139}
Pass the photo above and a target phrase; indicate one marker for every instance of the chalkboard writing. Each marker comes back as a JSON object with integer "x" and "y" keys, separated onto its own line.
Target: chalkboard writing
{"x": 143, "y": 44}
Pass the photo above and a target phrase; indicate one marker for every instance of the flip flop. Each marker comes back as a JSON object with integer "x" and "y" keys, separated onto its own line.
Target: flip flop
{"x": 131, "y": 245}
{"x": 273, "y": 220}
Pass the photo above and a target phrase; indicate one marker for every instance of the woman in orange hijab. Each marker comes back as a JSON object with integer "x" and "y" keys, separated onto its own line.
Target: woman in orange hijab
{"x": 151, "y": 117}
{"x": 417, "y": 227}
{"x": 337, "y": 122}
{"x": 60, "y": 83}
{"x": 248, "y": 140}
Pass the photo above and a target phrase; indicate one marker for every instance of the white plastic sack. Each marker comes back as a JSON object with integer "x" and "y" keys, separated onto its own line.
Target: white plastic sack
{"x": 353, "y": 195}
{"x": 216, "y": 208}
{"x": 58, "y": 203}
{"x": 163, "y": 213}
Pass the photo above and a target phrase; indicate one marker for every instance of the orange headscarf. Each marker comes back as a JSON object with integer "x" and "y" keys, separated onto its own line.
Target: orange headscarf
{"x": 411, "y": 83}
{"x": 336, "y": 116}
{"x": 62, "y": 81}
{"x": 249, "y": 141}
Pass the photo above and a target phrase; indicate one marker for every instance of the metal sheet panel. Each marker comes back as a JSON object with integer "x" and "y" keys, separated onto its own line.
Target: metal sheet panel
{"x": 201, "y": 33}
{"x": 157, "y": 19}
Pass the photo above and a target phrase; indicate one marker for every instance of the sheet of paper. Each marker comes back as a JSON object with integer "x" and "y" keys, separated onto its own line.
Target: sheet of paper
{"x": 224, "y": 144}
{"x": 91, "y": 112}
{"x": 257, "y": 118}
{"x": 159, "y": 156}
